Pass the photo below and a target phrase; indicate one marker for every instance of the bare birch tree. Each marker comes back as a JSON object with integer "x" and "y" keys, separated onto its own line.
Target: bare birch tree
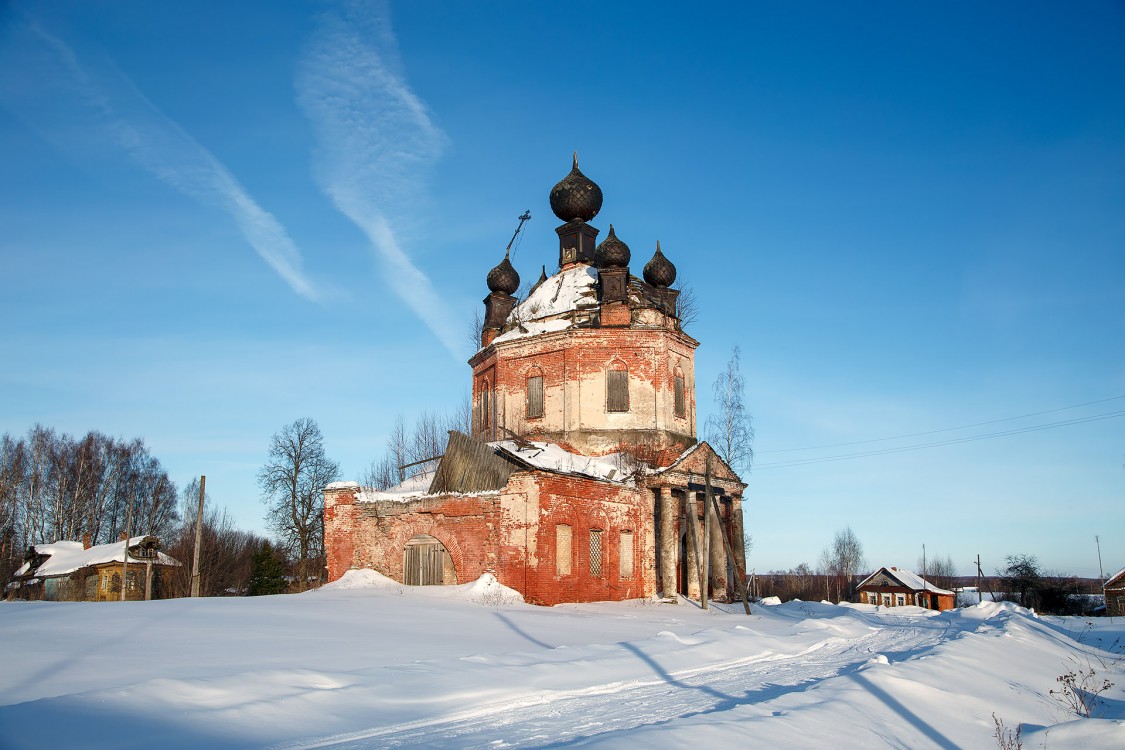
{"x": 843, "y": 560}
{"x": 729, "y": 430}
{"x": 292, "y": 482}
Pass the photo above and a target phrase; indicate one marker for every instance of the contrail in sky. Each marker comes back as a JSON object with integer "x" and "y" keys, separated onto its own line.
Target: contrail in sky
{"x": 376, "y": 144}
{"x": 43, "y": 81}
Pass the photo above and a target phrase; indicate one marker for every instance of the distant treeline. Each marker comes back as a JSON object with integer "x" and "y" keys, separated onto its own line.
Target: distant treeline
{"x": 57, "y": 487}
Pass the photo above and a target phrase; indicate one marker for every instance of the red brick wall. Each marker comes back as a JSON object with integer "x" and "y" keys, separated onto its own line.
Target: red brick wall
{"x": 511, "y": 534}
{"x": 585, "y": 505}
{"x": 574, "y": 361}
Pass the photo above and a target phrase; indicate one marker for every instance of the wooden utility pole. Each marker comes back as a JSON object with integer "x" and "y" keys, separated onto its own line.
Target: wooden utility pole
{"x": 125, "y": 557}
{"x": 198, "y": 538}
{"x": 1101, "y": 573}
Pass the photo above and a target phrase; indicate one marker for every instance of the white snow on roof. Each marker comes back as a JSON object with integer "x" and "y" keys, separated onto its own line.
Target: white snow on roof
{"x": 341, "y": 485}
{"x": 413, "y": 487}
{"x": 533, "y": 328}
{"x": 545, "y": 456}
{"x": 1113, "y": 578}
{"x": 687, "y": 452}
{"x": 909, "y": 580}
{"x": 550, "y": 305}
{"x": 565, "y": 291}
{"x": 551, "y": 457}
{"x": 67, "y": 557}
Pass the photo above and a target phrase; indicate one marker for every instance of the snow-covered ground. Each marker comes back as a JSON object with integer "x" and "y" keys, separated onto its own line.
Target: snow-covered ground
{"x": 368, "y": 663}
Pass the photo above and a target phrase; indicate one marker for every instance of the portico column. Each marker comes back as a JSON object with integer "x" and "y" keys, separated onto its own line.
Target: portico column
{"x": 667, "y": 542}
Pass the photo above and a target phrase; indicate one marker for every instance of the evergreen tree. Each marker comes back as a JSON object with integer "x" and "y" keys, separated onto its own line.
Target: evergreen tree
{"x": 267, "y": 572}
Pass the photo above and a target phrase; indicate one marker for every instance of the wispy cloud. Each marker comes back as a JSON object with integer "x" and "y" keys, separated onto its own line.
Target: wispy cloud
{"x": 69, "y": 100}
{"x": 376, "y": 144}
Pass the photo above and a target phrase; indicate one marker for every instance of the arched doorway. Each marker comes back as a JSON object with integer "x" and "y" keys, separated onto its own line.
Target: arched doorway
{"x": 425, "y": 562}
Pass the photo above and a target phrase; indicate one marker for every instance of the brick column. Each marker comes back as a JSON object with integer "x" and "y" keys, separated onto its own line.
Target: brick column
{"x": 666, "y": 541}
{"x": 719, "y": 581}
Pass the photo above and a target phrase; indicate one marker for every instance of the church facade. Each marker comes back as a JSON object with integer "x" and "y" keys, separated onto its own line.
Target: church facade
{"x": 583, "y": 479}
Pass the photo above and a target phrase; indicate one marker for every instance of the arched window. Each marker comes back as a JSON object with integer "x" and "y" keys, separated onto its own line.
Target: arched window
{"x": 596, "y": 552}
{"x": 534, "y": 393}
{"x": 617, "y": 387}
{"x": 680, "y": 402}
{"x": 626, "y": 554}
{"x": 485, "y": 405}
{"x": 563, "y": 549}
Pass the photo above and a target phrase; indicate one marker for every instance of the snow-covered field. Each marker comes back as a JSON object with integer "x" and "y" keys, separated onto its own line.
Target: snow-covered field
{"x": 368, "y": 663}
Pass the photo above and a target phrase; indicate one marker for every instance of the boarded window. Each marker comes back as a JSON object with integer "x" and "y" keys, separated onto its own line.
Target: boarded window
{"x": 626, "y": 554}
{"x": 678, "y": 387}
{"x": 535, "y": 397}
{"x": 562, "y": 549}
{"x": 595, "y": 552}
{"x": 485, "y": 406}
{"x": 617, "y": 390}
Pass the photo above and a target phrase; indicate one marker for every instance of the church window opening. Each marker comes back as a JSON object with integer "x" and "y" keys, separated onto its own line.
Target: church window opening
{"x": 535, "y": 397}
{"x": 617, "y": 389}
{"x": 595, "y": 552}
{"x": 562, "y": 549}
{"x": 678, "y": 391}
{"x": 626, "y": 554}
{"x": 485, "y": 406}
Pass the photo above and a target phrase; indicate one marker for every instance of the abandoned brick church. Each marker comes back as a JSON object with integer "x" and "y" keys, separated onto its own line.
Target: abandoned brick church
{"x": 582, "y": 479}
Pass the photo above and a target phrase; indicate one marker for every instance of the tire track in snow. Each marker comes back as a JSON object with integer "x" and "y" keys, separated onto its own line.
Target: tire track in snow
{"x": 567, "y": 717}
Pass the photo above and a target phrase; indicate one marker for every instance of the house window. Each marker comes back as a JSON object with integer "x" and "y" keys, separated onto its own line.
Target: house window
{"x": 886, "y": 600}
{"x": 535, "y": 397}
{"x": 626, "y": 554}
{"x": 678, "y": 389}
{"x": 617, "y": 389}
{"x": 562, "y": 549}
{"x": 901, "y": 600}
{"x": 595, "y": 552}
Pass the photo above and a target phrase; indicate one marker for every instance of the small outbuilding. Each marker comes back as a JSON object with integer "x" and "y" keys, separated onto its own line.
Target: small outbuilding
{"x": 1114, "y": 590}
{"x": 895, "y": 587}
{"x": 76, "y": 572}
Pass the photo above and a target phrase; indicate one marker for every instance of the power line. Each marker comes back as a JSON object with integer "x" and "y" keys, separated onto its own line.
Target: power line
{"x": 954, "y": 441}
{"x": 944, "y": 429}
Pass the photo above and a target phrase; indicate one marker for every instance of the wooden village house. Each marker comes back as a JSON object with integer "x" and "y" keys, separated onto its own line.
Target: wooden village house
{"x": 896, "y": 587}
{"x": 76, "y": 571}
{"x": 582, "y": 479}
{"x": 1114, "y": 590}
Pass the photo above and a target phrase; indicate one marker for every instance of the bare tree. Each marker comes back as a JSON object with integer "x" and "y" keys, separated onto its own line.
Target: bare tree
{"x": 476, "y": 328}
{"x": 225, "y": 551}
{"x": 844, "y": 559}
{"x": 417, "y": 451}
{"x": 292, "y": 482}
{"x": 940, "y": 571}
{"x": 13, "y": 457}
{"x": 687, "y": 304}
{"x": 730, "y": 430}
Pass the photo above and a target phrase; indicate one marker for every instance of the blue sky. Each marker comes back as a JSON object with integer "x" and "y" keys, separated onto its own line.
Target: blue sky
{"x": 217, "y": 218}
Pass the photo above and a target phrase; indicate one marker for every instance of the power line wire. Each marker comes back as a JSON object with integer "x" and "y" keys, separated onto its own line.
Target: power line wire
{"x": 944, "y": 429}
{"x": 954, "y": 441}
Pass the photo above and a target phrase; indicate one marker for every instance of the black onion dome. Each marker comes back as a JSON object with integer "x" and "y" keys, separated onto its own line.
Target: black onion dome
{"x": 612, "y": 253}
{"x": 576, "y": 196}
{"x": 659, "y": 271}
{"x": 503, "y": 278}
